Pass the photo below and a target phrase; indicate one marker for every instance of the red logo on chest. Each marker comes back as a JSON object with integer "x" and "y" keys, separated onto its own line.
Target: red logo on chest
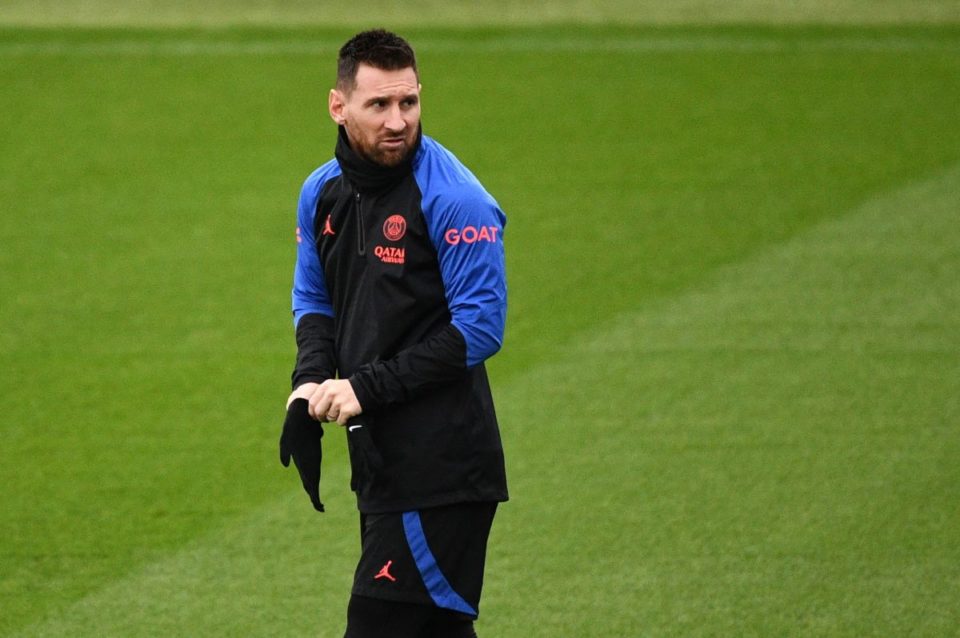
{"x": 390, "y": 254}
{"x": 327, "y": 228}
{"x": 395, "y": 227}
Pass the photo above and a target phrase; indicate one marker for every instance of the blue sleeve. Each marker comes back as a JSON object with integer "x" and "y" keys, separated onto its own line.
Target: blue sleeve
{"x": 466, "y": 228}
{"x": 309, "y": 286}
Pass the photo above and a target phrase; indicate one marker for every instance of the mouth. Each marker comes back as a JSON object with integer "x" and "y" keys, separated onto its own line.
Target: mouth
{"x": 393, "y": 142}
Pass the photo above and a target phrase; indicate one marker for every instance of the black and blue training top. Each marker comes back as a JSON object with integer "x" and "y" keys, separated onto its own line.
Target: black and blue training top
{"x": 400, "y": 287}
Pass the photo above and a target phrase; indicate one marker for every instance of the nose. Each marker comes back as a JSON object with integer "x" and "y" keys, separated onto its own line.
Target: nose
{"x": 395, "y": 122}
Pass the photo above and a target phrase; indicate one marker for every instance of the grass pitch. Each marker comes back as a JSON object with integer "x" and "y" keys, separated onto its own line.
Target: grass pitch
{"x": 435, "y": 13}
{"x": 729, "y": 388}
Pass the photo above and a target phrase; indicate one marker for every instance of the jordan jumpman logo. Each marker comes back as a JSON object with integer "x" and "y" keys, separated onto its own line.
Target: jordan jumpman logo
{"x": 327, "y": 228}
{"x": 385, "y": 572}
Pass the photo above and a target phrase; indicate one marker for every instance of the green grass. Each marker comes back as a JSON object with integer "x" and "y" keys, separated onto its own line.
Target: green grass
{"x": 413, "y": 13}
{"x": 729, "y": 388}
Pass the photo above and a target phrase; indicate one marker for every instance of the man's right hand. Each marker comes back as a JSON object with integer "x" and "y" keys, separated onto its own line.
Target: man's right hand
{"x": 332, "y": 401}
{"x": 304, "y": 391}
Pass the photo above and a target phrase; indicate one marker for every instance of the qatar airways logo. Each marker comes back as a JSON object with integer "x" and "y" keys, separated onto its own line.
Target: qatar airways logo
{"x": 471, "y": 235}
{"x": 391, "y": 254}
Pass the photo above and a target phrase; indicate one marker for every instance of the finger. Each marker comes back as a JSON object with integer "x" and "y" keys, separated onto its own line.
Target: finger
{"x": 315, "y": 499}
{"x": 310, "y": 478}
{"x": 320, "y": 405}
{"x": 313, "y": 399}
{"x": 335, "y": 409}
{"x": 311, "y": 485}
{"x": 349, "y": 409}
{"x": 345, "y": 415}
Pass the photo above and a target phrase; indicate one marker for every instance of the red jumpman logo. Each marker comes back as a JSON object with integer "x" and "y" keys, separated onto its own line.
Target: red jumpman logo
{"x": 385, "y": 572}
{"x": 327, "y": 228}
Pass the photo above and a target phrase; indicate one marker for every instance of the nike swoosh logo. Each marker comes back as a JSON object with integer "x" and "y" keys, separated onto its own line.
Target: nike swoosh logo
{"x": 354, "y": 427}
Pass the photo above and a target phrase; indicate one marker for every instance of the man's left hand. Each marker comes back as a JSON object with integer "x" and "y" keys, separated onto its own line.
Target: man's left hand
{"x": 334, "y": 400}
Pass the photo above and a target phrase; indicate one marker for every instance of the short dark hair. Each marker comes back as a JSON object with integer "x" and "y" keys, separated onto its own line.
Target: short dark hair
{"x": 380, "y": 49}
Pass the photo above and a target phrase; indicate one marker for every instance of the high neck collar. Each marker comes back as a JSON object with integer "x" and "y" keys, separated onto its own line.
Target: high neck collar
{"x": 369, "y": 176}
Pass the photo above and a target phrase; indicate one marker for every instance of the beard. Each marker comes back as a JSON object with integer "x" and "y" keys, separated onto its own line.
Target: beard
{"x": 375, "y": 151}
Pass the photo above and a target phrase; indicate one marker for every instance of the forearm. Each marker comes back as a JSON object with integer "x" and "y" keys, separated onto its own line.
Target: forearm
{"x": 434, "y": 362}
{"x": 316, "y": 361}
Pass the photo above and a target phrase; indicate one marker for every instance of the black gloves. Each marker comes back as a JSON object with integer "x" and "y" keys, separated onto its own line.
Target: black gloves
{"x": 301, "y": 439}
{"x": 363, "y": 453}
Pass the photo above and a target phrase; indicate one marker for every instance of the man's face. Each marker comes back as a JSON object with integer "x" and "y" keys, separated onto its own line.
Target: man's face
{"x": 381, "y": 114}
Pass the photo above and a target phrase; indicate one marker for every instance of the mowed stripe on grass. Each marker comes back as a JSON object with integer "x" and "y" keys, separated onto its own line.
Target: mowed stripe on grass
{"x": 218, "y": 13}
{"x": 665, "y": 40}
{"x": 773, "y": 452}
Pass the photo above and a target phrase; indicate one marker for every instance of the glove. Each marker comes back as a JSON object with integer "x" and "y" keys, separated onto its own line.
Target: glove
{"x": 362, "y": 448}
{"x": 301, "y": 439}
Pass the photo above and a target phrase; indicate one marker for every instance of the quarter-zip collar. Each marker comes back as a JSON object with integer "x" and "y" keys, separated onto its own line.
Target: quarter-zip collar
{"x": 367, "y": 176}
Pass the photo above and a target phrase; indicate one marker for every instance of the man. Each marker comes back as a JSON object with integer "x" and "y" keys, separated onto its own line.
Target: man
{"x": 399, "y": 297}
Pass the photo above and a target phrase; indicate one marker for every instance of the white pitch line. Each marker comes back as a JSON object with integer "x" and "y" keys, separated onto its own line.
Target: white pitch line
{"x": 639, "y": 44}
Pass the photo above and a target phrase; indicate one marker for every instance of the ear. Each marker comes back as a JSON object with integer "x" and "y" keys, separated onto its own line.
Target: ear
{"x": 336, "y": 104}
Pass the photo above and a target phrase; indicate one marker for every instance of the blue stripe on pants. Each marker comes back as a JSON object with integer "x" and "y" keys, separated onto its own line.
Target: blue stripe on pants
{"x": 440, "y": 590}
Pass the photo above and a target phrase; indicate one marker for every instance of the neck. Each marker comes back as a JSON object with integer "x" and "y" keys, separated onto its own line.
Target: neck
{"x": 366, "y": 174}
